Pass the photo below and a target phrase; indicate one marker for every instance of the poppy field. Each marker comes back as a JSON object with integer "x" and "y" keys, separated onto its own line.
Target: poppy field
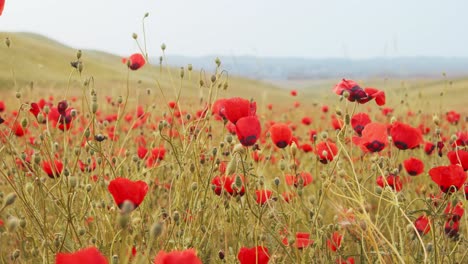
{"x": 351, "y": 175}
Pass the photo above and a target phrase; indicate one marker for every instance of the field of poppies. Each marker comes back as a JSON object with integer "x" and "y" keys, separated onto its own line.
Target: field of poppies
{"x": 89, "y": 176}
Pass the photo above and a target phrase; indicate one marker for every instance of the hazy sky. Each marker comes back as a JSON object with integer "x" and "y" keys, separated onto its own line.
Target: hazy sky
{"x": 304, "y": 28}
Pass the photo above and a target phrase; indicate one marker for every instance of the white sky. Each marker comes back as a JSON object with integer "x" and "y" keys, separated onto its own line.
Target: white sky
{"x": 303, "y": 28}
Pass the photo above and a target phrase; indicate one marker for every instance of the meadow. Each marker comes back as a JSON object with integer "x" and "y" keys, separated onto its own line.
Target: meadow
{"x": 111, "y": 161}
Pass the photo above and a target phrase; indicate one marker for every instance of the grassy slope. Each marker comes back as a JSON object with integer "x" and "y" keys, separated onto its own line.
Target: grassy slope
{"x": 35, "y": 58}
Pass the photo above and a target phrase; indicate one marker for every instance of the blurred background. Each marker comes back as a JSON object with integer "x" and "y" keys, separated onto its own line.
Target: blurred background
{"x": 278, "y": 41}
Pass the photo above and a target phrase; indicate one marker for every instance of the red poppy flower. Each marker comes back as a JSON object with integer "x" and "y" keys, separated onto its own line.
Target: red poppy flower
{"x": 393, "y": 181}
{"x": 306, "y": 120}
{"x": 454, "y": 213}
{"x": 325, "y": 108}
{"x": 89, "y": 255}
{"x": 452, "y": 117}
{"x": 326, "y": 151}
{"x": 52, "y": 170}
{"x": 255, "y": 255}
{"x": 349, "y": 260}
{"x": 19, "y": 130}
{"x": 447, "y": 176}
{"x": 123, "y": 189}
{"x": 335, "y": 242}
{"x": 462, "y": 138}
{"x": 459, "y": 157}
{"x": 359, "y": 121}
{"x": 337, "y": 124}
{"x": 356, "y": 93}
{"x": 303, "y": 240}
{"x": 374, "y": 138}
{"x": 422, "y": 224}
{"x": 2, "y": 104}
{"x": 87, "y": 167}
{"x": 188, "y": 256}
{"x": 158, "y": 153}
{"x": 413, "y": 166}
{"x": 281, "y": 135}
{"x": 452, "y": 228}
{"x": 218, "y": 108}
{"x": 142, "y": 151}
{"x": 303, "y": 178}
{"x": 248, "y": 130}
{"x": 235, "y": 108}
{"x": 135, "y": 61}
{"x": 263, "y": 196}
{"x": 293, "y": 92}
{"x": 405, "y": 136}
{"x": 429, "y": 148}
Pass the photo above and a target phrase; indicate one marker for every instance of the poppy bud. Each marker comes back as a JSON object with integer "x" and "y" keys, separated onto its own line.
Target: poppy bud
{"x": 231, "y": 167}
{"x": 238, "y": 182}
{"x": 78, "y": 54}
{"x": 94, "y": 108}
{"x": 163, "y": 47}
{"x": 12, "y": 224}
{"x": 436, "y": 120}
{"x": 213, "y": 78}
{"x": 100, "y": 137}
{"x": 134, "y": 36}
{"x": 73, "y": 182}
{"x": 276, "y": 181}
{"x": 24, "y": 122}
{"x": 176, "y": 216}
{"x": 182, "y": 72}
{"x": 88, "y": 187}
{"x": 7, "y": 42}
{"x": 18, "y": 95}
{"x": 80, "y": 67}
{"x": 218, "y": 62}
{"x": 156, "y": 230}
{"x": 10, "y": 199}
{"x": 146, "y": 15}
{"x": 15, "y": 254}
{"x": 189, "y": 67}
{"x": 293, "y": 148}
{"x": 202, "y": 83}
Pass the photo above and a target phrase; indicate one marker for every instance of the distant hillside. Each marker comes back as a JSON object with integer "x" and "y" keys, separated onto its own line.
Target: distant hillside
{"x": 268, "y": 68}
{"x": 46, "y": 63}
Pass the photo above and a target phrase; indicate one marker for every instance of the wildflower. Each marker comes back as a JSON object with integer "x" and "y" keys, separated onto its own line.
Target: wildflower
{"x": 422, "y": 224}
{"x": 448, "y": 176}
{"x": 263, "y": 196}
{"x": 135, "y": 61}
{"x": 459, "y": 157}
{"x": 123, "y": 189}
{"x": 305, "y": 178}
{"x": 255, "y": 255}
{"x": 357, "y": 94}
{"x": 413, "y": 166}
{"x": 326, "y": 151}
{"x": 393, "y": 181}
{"x": 89, "y": 255}
{"x": 306, "y": 120}
{"x": 334, "y": 243}
{"x": 374, "y": 138}
{"x": 405, "y": 136}
{"x": 281, "y": 135}
{"x": 248, "y": 130}
{"x": 235, "y": 108}
{"x": 188, "y": 256}
{"x": 452, "y": 117}
{"x": 52, "y": 169}
{"x": 359, "y": 121}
